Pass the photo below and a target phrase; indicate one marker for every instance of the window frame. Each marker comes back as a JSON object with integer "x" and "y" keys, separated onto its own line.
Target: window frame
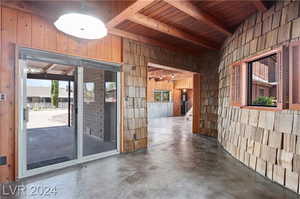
{"x": 250, "y": 81}
{"x": 161, "y": 96}
{"x": 244, "y": 80}
{"x": 292, "y": 105}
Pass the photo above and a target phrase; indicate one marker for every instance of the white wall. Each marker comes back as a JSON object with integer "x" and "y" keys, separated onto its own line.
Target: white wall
{"x": 160, "y": 109}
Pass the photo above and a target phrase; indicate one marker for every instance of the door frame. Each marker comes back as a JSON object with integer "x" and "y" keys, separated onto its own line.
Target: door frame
{"x": 20, "y": 93}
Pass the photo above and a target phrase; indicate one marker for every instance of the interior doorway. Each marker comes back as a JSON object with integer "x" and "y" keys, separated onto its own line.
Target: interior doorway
{"x": 169, "y": 91}
{"x": 68, "y": 111}
{"x": 170, "y": 96}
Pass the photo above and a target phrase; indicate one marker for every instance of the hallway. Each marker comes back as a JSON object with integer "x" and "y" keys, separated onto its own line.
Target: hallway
{"x": 177, "y": 165}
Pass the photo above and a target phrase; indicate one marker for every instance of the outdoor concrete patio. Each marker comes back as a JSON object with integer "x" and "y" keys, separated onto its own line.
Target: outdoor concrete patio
{"x": 177, "y": 165}
{"x": 52, "y": 145}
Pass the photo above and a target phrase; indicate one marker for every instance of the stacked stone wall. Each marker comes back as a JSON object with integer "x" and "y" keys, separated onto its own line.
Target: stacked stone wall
{"x": 266, "y": 141}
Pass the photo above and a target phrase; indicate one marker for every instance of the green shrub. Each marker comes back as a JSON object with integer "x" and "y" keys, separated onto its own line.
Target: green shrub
{"x": 264, "y": 101}
{"x": 54, "y": 93}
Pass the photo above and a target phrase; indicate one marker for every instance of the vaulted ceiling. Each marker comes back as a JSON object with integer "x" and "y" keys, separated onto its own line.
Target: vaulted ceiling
{"x": 193, "y": 26}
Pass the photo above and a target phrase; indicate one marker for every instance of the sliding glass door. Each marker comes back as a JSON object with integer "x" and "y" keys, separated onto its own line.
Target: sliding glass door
{"x": 67, "y": 112}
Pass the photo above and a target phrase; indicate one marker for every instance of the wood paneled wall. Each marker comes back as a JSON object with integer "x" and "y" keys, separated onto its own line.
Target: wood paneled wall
{"x": 153, "y": 85}
{"x": 184, "y": 83}
{"x": 27, "y": 30}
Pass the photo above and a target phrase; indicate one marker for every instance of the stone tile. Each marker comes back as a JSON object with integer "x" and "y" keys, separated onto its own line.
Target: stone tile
{"x": 258, "y": 30}
{"x": 298, "y": 145}
{"x": 283, "y": 122}
{"x": 293, "y": 11}
{"x": 272, "y": 38}
{"x": 275, "y": 139}
{"x": 276, "y": 20}
{"x": 259, "y": 134}
{"x": 267, "y": 25}
{"x": 250, "y": 34}
{"x": 247, "y": 50}
{"x": 261, "y": 166}
{"x": 261, "y": 44}
{"x": 266, "y": 120}
{"x": 252, "y": 163}
{"x": 296, "y": 164}
{"x": 242, "y": 155}
{"x": 253, "y": 46}
{"x": 266, "y": 137}
{"x": 296, "y": 28}
{"x": 284, "y": 16}
{"x": 285, "y": 159}
{"x": 284, "y": 33}
{"x": 257, "y": 149}
{"x": 292, "y": 180}
{"x": 278, "y": 174}
{"x": 243, "y": 143}
{"x": 296, "y": 125}
{"x": 253, "y": 117}
{"x": 289, "y": 142}
{"x": 268, "y": 154}
{"x": 244, "y": 116}
{"x": 247, "y": 159}
{"x": 250, "y": 146}
{"x": 270, "y": 168}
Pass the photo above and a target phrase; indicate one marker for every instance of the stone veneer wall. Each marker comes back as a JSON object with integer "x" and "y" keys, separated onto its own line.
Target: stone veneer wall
{"x": 268, "y": 142}
{"x": 136, "y": 56}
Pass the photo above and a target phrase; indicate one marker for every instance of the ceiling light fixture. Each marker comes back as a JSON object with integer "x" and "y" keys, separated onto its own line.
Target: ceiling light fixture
{"x": 81, "y": 26}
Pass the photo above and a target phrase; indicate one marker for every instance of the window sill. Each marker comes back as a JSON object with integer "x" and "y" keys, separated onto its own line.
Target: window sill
{"x": 261, "y": 108}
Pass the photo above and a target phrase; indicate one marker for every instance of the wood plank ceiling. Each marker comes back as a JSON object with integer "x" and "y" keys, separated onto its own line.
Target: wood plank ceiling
{"x": 192, "y": 26}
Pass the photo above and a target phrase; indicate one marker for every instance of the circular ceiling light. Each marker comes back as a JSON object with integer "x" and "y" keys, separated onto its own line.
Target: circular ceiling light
{"x": 81, "y": 26}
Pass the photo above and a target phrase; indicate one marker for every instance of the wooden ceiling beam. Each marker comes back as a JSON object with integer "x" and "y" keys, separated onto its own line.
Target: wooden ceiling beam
{"x": 166, "y": 29}
{"x": 128, "y": 12}
{"x": 191, "y": 10}
{"x": 70, "y": 71}
{"x": 260, "y": 5}
{"x": 49, "y": 67}
{"x": 150, "y": 41}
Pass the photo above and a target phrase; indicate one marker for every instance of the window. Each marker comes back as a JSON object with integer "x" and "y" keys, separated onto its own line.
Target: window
{"x": 89, "y": 92}
{"x": 161, "y": 96}
{"x": 110, "y": 91}
{"x": 263, "y": 82}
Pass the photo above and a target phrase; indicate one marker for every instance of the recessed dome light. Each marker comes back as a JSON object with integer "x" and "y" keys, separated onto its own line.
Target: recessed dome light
{"x": 81, "y": 26}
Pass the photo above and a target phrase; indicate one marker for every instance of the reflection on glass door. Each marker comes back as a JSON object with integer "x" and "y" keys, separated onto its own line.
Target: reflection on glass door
{"x": 99, "y": 111}
{"x": 50, "y": 114}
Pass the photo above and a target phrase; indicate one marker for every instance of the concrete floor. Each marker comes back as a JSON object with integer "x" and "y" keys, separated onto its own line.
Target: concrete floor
{"x": 177, "y": 165}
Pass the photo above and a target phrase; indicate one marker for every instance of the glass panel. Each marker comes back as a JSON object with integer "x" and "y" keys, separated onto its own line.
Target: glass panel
{"x": 165, "y": 96}
{"x": 264, "y": 82}
{"x": 157, "y": 96}
{"x": 50, "y": 114}
{"x": 99, "y": 111}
